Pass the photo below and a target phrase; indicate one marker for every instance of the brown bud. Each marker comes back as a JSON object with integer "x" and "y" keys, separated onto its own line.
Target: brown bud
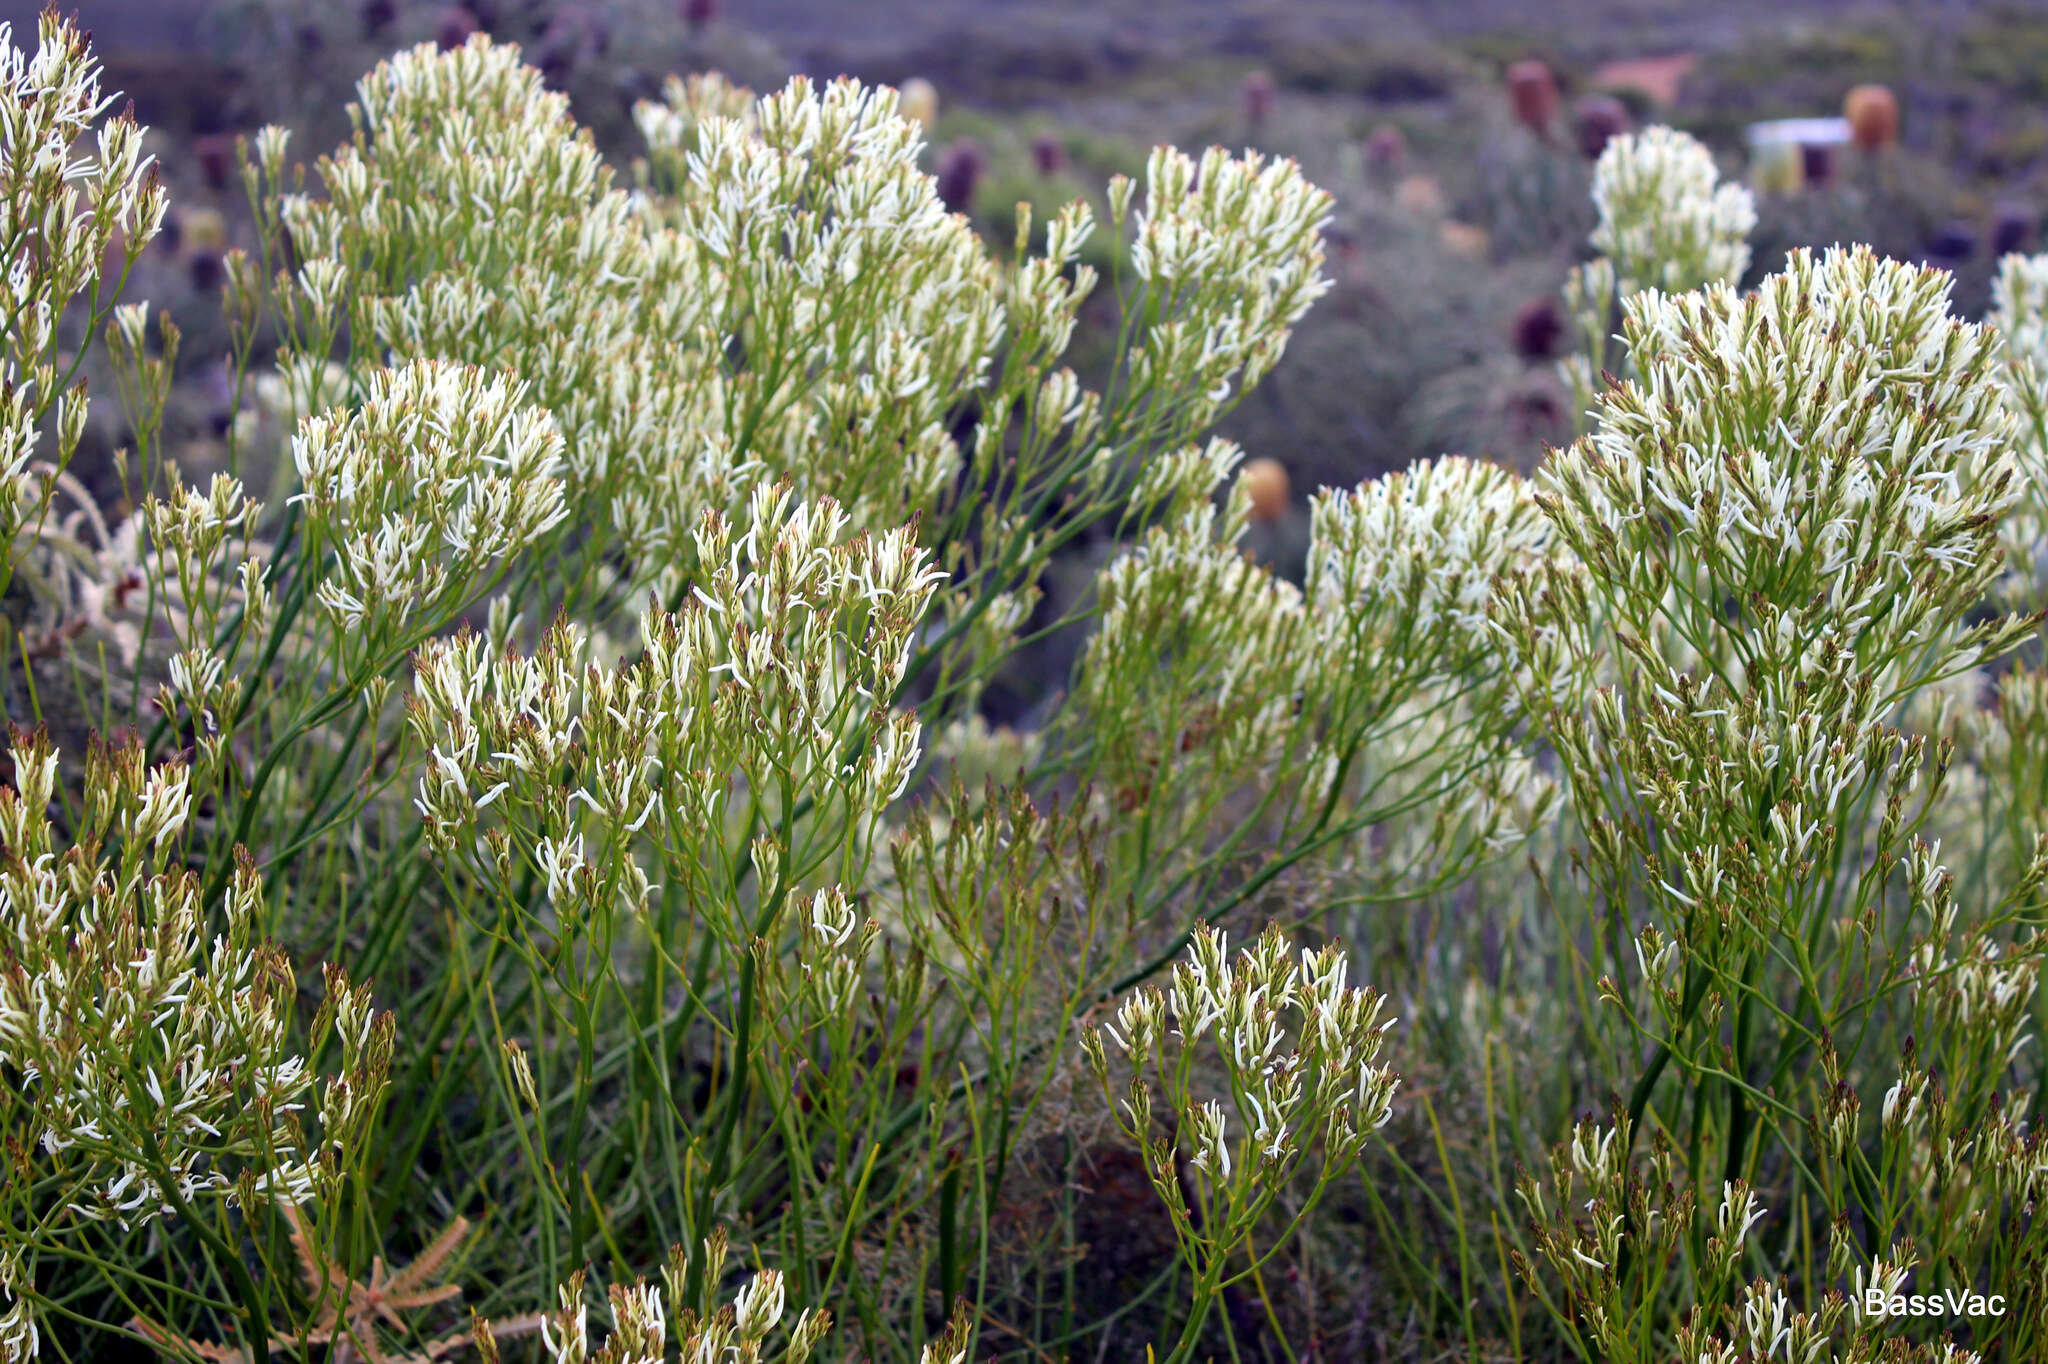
{"x": 1532, "y": 90}
{"x": 1873, "y": 114}
{"x": 1266, "y": 480}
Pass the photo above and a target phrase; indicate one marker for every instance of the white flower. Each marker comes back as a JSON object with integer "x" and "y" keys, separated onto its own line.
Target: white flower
{"x": 1665, "y": 220}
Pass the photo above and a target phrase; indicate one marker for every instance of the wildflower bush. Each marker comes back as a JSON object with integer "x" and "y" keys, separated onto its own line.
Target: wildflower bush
{"x": 538, "y": 841}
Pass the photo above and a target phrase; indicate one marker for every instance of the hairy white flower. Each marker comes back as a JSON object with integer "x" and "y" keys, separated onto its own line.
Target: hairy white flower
{"x": 77, "y": 195}
{"x": 1211, "y": 1142}
{"x": 1665, "y": 220}
{"x": 1233, "y": 242}
{"x": 643, "y": 1313}
{"x": 1737, "y": 1213}
{"x": 441, "y": 474}
{"x": 1299, "y": 1054}
{"x": 836, "y": 948}
{"x": 759, "y": 1305}
{"x": 775, "y": 676}
{"x": 2019, "y": 314}
{"x": 156, "y": 1065}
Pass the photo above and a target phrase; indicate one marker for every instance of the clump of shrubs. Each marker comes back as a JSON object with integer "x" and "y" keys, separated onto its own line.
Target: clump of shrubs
{"x": 581, "y": 666}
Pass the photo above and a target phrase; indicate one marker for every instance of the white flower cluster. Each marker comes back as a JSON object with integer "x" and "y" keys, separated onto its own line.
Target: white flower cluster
{"x": 77, "y": 197}
{"x": 180, "y": 548}
{"x": 1781, "y": 532}
{"x": 1768, "y": 1324}
{"x": 809, "y": 216}
{"x": 836, "y": 947}
{"x": 1382, "y": 673}
{"x": 443, "y": 473}
{"x": 1666, "y": 221}
{"x": 1231, "y": 249}
{"x": 1408, "y": 561}
{"x": 472, "y": 222}
{"x": 155, "y": 1068}
{"x": 1199, "y": 652}
{"x": 1588, "y": 1204}
{"x": 1608, "y": 1228}
{"x": 787, "y": 298}
{"x": 670, "y": 127}
{"x": 803, "y": 308}
{"x": 644, "y": 1316}
{"x": 1828, "y": 452}
{"x": 775, "y": 677}
{"x": 1786, "y": 519}
{"x": 2019, "y": 313}
{"x": 1299, "y": 1050}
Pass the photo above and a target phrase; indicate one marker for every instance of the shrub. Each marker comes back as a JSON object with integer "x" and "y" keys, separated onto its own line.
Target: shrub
{"x": 596, "y": 686}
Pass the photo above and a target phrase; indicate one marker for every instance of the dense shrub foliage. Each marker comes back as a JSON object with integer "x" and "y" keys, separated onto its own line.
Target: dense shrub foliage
{"x": 529, "y": 825}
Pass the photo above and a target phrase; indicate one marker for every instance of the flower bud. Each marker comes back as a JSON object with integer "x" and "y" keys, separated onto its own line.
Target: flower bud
{"x": 918, "y": 101}
{"x": 1597, "y": 120}
{"x": 1048, "y": 153}
{"x": 1873, "y": 114}
{"x": 1266, "y": 481}
{"x": 1532, "y": 92}
{"x": 960, "y": 169}
{"x": 1538, "y": 329}
{"x": 759, "y": 1305}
